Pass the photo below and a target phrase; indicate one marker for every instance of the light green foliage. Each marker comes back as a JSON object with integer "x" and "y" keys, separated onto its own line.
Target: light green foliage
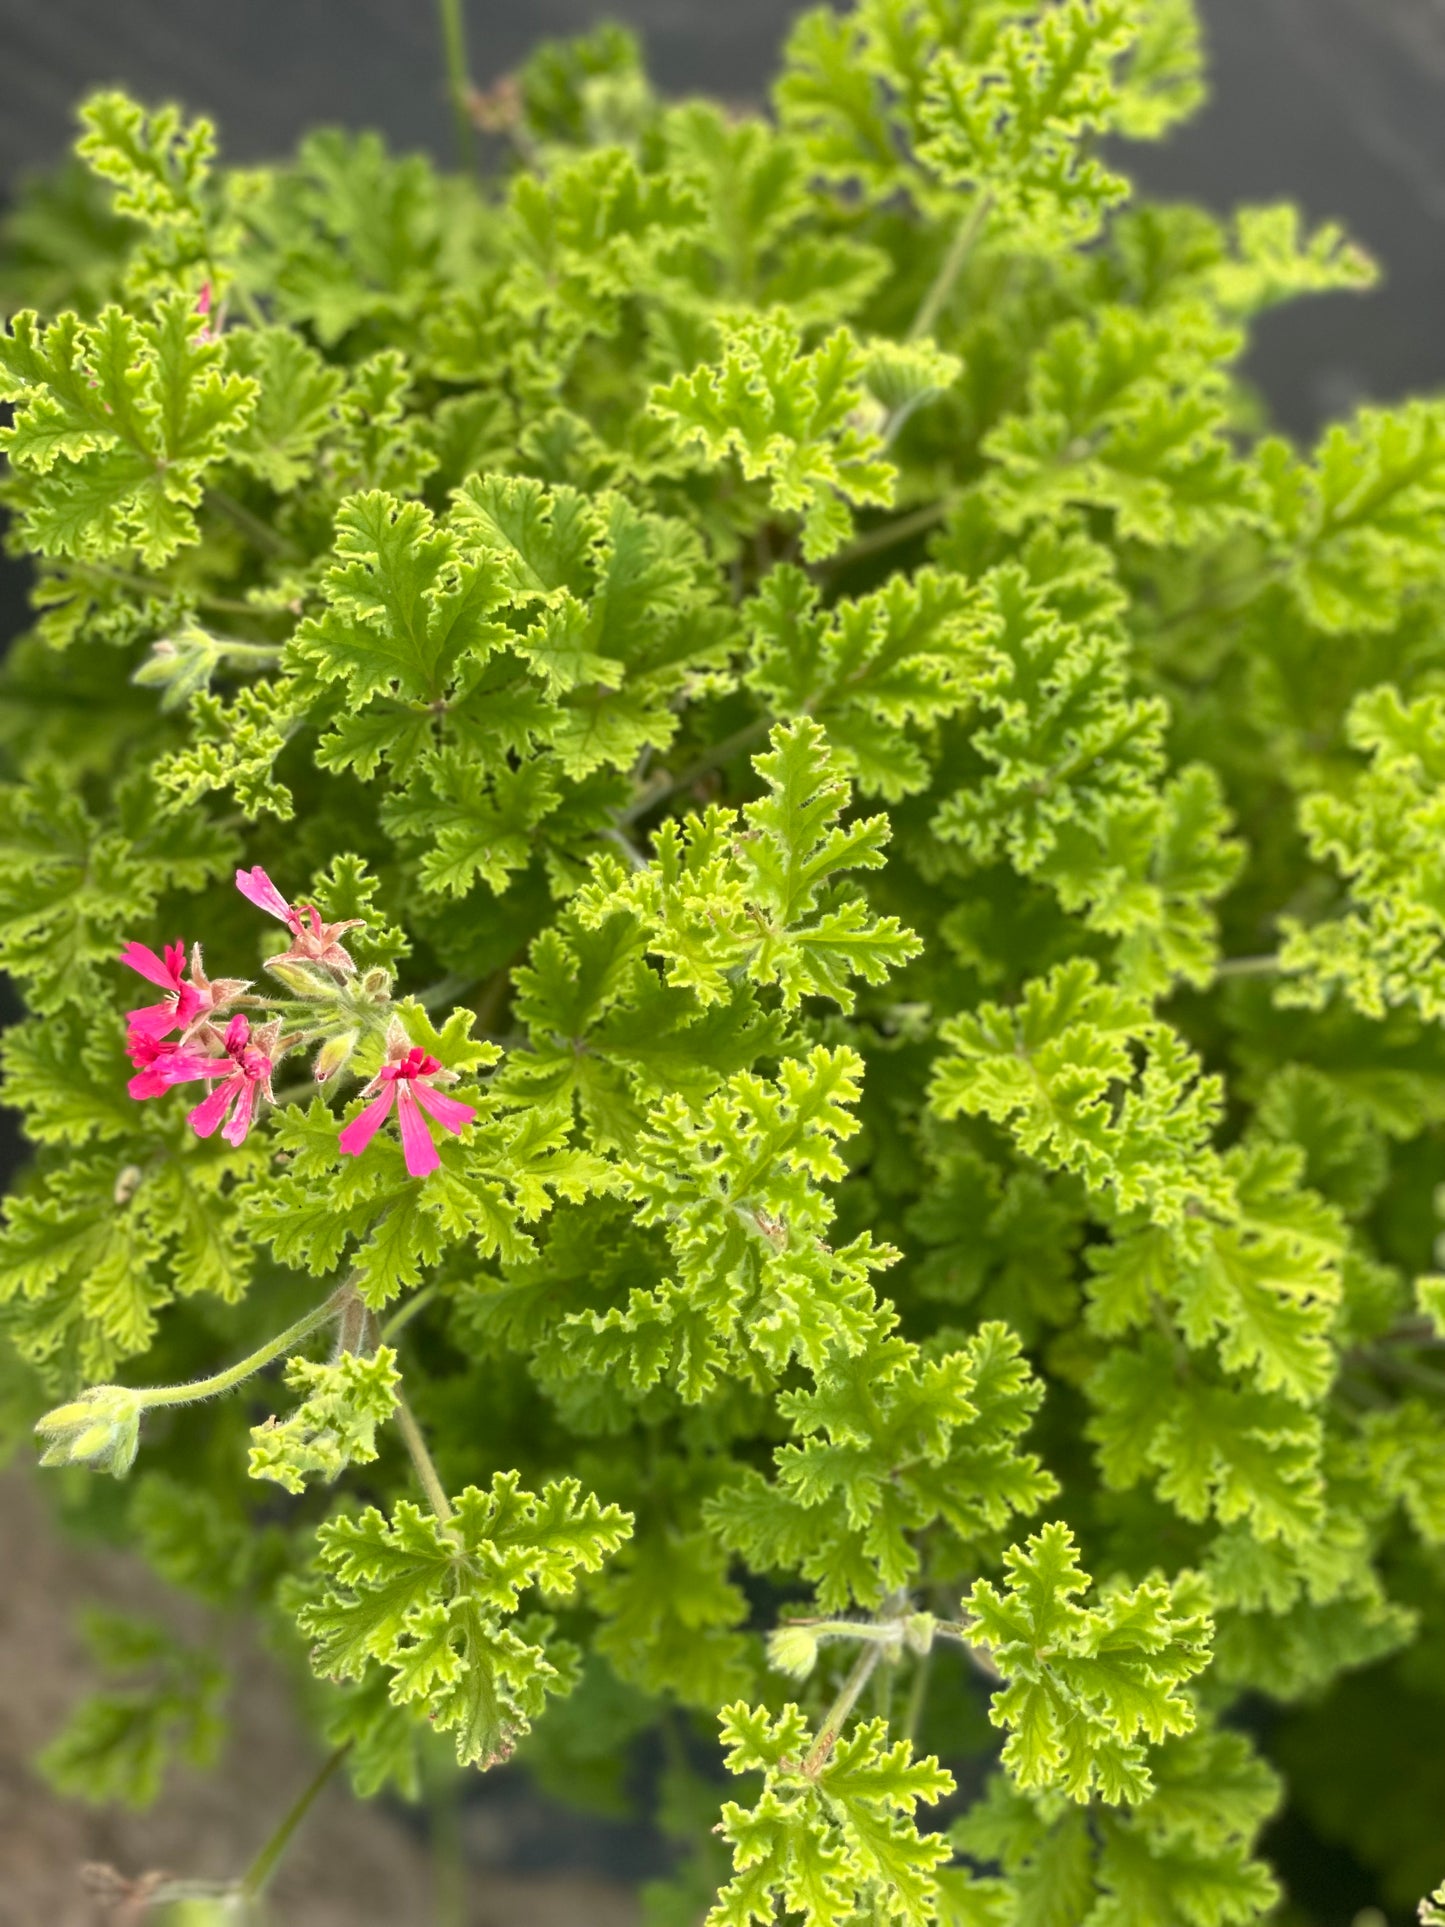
{"x": 873, "y": 672}
{"x": 1129, "y": 412}
{"x": 334, "y": 1425}
{"x": 1383, "y": 835}
{"x": 1086, "y": 1685}
{"x": 738, "y": 1187}
{"x": 1085, "y": 1077}
{"x": 831, "y": 1840}
{"x": 1013, "y": 129}
{"x": 116, "y": 425}
{"x": 166, "y": 1703}
{"x": 890, "y": 1445}
{"x": 787, "y": 414}
{"x": 434, "y": 1603}
{"x": 757, "y": 891}
{"x": 1182, "y": 1854}
{"x": 886, "y": 842}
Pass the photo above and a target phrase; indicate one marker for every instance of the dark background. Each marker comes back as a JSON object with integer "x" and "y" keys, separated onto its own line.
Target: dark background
{"x": 1336, "y": 104}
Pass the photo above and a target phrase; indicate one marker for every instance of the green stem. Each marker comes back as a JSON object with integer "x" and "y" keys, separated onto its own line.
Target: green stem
{"x": 664, "y": 786}
{"x": 1248, "y": 967}
{"x": 273, "y": 1348}
{"x": 838, "y": 1712}
{"x": 917, "y": 1694}
{"x": 635, "y": 859}
{"x": 399, "y": 1321}
{"x": 443, "y": 991}
{"x": 901, "y": 530}
{"x": 449, "y": 1874}
{"x": 951, "y": 266}
{"x": 421, "y": 1460}
{"x": 152, "y": 585}
{"x": 233, "y": 647}
{"x": 261, "y": 533}
{"x": 264, "y": 1865}
{"x": 459, "y": 80}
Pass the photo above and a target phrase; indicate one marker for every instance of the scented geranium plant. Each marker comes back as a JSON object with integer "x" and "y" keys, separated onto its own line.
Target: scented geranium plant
{"x": 822, "y": 1128}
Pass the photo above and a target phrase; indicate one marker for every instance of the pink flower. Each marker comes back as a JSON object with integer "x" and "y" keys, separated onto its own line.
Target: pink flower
{"x": 159, "y": 1064}
{"x": 186, "y": 1002}
{"x": 244, "y": 1069}
{"x": 408, "y": 1081}
{"x": 181, "y": 1002}
{"x": 312, "y": 941}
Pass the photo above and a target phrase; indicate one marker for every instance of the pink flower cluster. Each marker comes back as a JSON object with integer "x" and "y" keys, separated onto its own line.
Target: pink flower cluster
{"x": 238, "y": 1060}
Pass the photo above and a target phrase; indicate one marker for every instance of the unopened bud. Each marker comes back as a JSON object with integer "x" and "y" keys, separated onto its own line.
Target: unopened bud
{"x": 100, "y": 1428}
{"x": 918, "y": 1631}
{"x": 376, "y": 985}
{"x": 128, "y": 1182}
{"x": 793, "y": 1649}
{"x": 300, "y": 979}
{"x": 334, "y": 1055}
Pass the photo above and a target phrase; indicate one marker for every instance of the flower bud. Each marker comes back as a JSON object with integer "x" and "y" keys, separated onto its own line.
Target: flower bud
{"x": 334, "y": 1055}
{"x": 100, "y": 1428}
{"x": 793, "y": 1649}
{"x": 918, "y": 1631}
{"x": 376, "y": 985}
{"x": 300, "y": 979}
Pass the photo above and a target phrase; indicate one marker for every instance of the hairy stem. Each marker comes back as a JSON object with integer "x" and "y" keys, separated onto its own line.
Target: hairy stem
{"x": 259, "y": 532}
{"x": 152, "y": 585}
{"x": 449, "y": 1873}
{"x": 1247, "y": 967}
{"x": 838, "y": 1712}
{"x": 253, "y": 1884}
{"x": 917, "y": 1695}
{"x": 902, "y": 529}
{"x": 459, "y": 80}
{"x": 951, "y": 266}
{"x": 664, "y": 786}
{"x": 399, "y": 1320}
{"x": 421, "y": 1460}
{"x": 202, "y": 1388}
{"x": 446, "y": 990}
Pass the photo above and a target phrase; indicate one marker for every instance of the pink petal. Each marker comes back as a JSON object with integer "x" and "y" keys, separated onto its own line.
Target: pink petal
{"x": 209, "y": 1112}
{"x": 449, "y": 1112}
{"x": 255, "y": 885}
{"x": 240, "y": 1122}
{"x": 416, "y": 1141}
{"x": 137, "y": 957}
{"x": 237, "y": 1031}
{"x": 364, "y": 1127}
{"x": 147, "y": 1083}
{"x": 154, "y": 1020}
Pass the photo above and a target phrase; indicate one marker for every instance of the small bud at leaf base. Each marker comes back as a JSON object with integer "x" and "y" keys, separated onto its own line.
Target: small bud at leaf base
{"x": 376, "y": 984}
{"x": 100, "y": 1428}
{"x": 918, "y": 1631}
{"x": 334, "y": 1055}
{"x": 300, "y": 978}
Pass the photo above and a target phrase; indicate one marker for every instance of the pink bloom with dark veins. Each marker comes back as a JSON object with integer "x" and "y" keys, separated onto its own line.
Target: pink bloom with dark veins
{"x": 409, "y": 1082}
{"x": 312, "y": 941}
{"x": 243, "y": 1070}
{"x": 181, "y": 1003}
{"x": 160, "y": 1064}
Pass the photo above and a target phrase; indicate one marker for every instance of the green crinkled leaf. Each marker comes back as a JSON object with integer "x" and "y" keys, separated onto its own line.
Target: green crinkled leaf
{"x": 431, "y": 1604}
